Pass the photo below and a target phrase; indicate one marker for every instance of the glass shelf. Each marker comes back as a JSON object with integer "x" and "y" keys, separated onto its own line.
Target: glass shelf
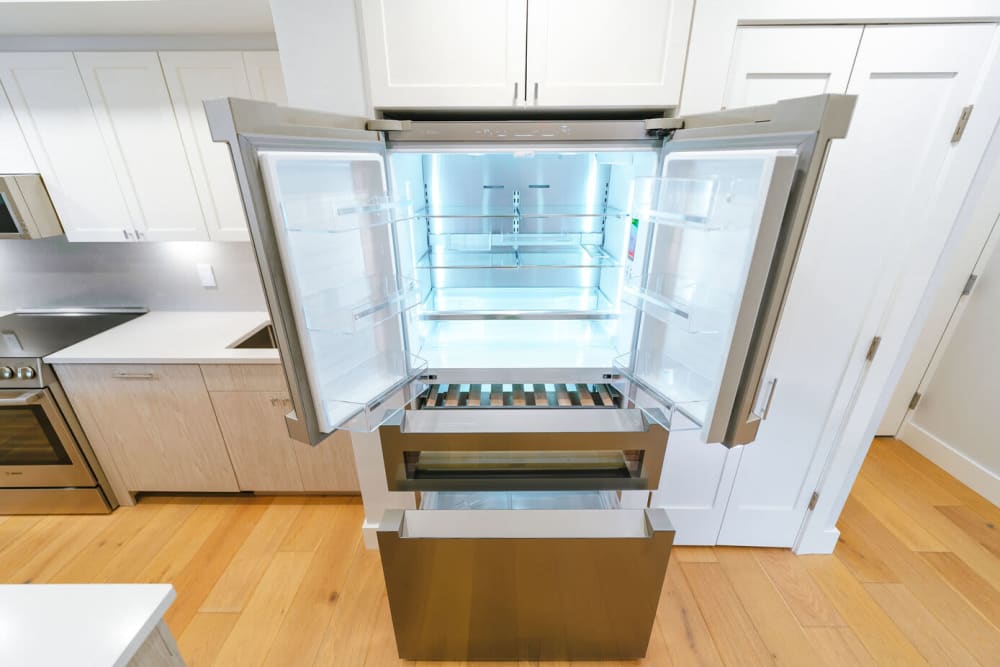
{"x": 518, "y": 500}
{"x": 333, "y": 214}
{"x": 347, "y": 401}
{"x": 360, "y": 304}
{"x": 518, "y": 303}
{"x": 508, "y": 211}
{"x": 582, "y": 256}
{"x": 670, "y": 393}
{"x": 677, "y": 300}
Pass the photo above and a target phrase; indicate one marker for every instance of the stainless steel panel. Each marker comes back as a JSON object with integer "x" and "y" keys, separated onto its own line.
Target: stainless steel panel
{"x": 530, "y": 432}
{"x": 523, "y": 598}
{"x": 54, "y": 501}
{"x": 518, "y": 131}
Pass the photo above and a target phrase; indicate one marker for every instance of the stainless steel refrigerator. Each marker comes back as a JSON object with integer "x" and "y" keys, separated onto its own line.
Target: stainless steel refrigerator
{"x": 524, "y": 309}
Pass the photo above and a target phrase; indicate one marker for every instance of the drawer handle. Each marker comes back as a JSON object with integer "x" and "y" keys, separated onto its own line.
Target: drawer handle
{"x": 122, "y": 375}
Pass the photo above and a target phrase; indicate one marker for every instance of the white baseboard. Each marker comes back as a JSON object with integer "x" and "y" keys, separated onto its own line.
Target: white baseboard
{"x": 369, "y": 534}
{"x": 981, "y": 480}
{"x": 821, "y": 542}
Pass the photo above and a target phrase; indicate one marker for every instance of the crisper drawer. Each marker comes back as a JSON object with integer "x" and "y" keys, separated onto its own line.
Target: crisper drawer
{"x": 539, "y": 584}
{"x": 522, "y": 449}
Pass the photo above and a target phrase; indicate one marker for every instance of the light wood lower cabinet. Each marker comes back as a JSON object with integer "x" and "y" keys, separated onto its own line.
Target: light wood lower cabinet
{"x": 153, "y": 424}
{"x": 266, "y": 459}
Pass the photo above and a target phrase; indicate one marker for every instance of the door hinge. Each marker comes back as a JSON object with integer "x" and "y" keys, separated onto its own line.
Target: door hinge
{"x": 963, "y": 120}
{"x": 969, "y": 284}
{"x": 664, "y": 124}
{"x": 388, "y": 125}
{"x": 873, "y": 348}
{"x": 813, "y": 499}
{"x": 914, "y": 400}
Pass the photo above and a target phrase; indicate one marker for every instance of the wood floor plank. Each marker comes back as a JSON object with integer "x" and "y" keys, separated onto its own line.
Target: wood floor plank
{"x": 840, "y": 646}
{"x": 973, "y": 587}
{"x": 185, "y": 543}
{"x": 61, "y": 540}
{"x": 854, "y": 552}
{"x": 383, "y": 641}
{"x": 880, "y": 636}
{"x": 14, "y": 527}
{"x": 975, "y": 526}
{"x": 201, "y": 642}
{"x": 775, "y": 622}
{"x": 895, "y": 519}
{"x": 311, "y": 525}
{"x": 880, "y": 465}
{"x": 924, "y": 631}
{"x": 733, "y": 632}
{"x": 233, "y": 589}
{"x": 345, "y": 642}
{"x": 809, "y": 604}
{"x": 195, "y": 581}
{"x": 680, "y": 622}
{"x": 301, "y": 633}
{"x": 972, "y": 629}
{"x": 250, "y": 640}
{"x": 126, "y": 564}
{"x": 694, "y": 555}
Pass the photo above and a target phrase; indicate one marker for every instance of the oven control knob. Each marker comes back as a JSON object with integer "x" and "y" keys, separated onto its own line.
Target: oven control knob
{"x": 6, "y": 373}
{"x": 25, "y": 372}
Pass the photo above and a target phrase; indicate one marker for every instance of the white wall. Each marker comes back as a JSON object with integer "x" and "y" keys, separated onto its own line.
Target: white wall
{"x": 55, "y": 273}
{"x": 955, "y": 423}
{"x": 320, "y": 46}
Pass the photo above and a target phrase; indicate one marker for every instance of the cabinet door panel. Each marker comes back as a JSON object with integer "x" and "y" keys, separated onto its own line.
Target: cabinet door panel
{"x": 133, "y": 109}
{"x": 911, "y": 82}
{"x": 259, "y": 447}
{"x": 329, "y": 466}
{"x": 15, "y": 156}
{"x": 607, "y": 54}
{"x": 157, "y": 424}
{"x": 445, "y": 52}
{"x": 771, "y": 63}
{"x": 264, "y": 76}
{"x": 53, "y": 110}
{"x": 193, "y": 77}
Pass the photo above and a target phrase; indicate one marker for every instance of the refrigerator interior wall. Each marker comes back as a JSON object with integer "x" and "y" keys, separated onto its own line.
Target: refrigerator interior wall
{"x": 521, "y": 255}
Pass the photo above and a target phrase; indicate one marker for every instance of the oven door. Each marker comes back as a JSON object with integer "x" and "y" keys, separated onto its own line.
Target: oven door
{"x": 37, "y": 448}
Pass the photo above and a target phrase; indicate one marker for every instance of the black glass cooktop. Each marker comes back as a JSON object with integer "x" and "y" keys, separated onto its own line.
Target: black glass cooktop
{"x": 36, "y": 334}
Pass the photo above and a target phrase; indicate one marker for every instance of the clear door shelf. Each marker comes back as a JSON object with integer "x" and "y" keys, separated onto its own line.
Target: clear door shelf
{"x": 583, "y": 256}
{"x": 338, "y": 214}
{"x": 364, "y": 396}
{"x": 681, "y": 302}
{"x": 360, "y": 304}
{"x": 679, "y": 394}
{"x": 518, "y": 303}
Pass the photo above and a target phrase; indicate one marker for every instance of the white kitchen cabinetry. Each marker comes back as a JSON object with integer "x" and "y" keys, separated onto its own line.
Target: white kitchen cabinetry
{"x": 133, "y": 111}
{"x": 264, "y": 76}
{"x": 606, "y": 54}
{"x": 912, "y": 83}
{"x": 445, "y": 53}
{"x": 54, "y": 112}
{"x": 193, "y": 77}
{"x": 15, "y": 156}
{"x": 153, "y": 425}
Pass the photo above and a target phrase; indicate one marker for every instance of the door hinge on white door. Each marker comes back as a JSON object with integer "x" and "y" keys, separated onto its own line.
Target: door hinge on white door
{"x": 813, "y": 499}
{"x": 963, "y": 120}
{"x": 914, "y": 400}
{"x": 873, "y": 348}
{"x": 969, "y": 284}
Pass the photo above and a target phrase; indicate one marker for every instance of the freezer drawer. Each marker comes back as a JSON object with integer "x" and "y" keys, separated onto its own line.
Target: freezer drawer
{"x": 522, "y": 449}
{"x": 524, "y": 584}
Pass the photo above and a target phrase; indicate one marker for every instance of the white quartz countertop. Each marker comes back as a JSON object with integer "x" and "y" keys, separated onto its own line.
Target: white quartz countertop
{"x": 78, "y": 624}
{"x": 173, "y": 337}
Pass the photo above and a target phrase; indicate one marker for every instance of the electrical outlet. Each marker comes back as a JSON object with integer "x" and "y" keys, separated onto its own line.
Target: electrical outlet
{"x": 206, "y": 275}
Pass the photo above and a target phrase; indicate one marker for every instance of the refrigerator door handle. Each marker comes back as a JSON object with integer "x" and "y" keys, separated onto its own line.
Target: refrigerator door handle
{"x": 765, "y": 398}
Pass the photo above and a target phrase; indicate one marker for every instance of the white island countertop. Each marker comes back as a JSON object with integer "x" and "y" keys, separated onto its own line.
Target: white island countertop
{"x": 78, "y": 624}
{"x": 173, "y": 337}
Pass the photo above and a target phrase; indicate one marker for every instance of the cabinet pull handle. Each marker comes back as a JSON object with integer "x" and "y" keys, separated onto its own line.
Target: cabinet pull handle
{"x": 125, "y": 233}
{"x": 536, "y": 91}
{"x": 281, "y": 403}
{"x": 138, "y": 234}
{"x": 123, "y": 375}
{"x": 515, "y": 91}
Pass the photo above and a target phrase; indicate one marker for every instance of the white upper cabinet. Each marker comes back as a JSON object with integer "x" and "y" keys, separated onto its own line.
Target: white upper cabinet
{"x": 596, "y": 53}
{"x": 193, "y": 77}
{"x": 15, "y": 156}
{"x": 54, "y": 112}
{"x": 774, "y": 63}
{"x": 133, "y": 111}
{"x": 448, "y": 53}
{"x": 264, "y": 76}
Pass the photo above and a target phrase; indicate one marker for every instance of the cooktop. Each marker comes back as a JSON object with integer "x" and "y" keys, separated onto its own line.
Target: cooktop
{"x": 27, "y": 334}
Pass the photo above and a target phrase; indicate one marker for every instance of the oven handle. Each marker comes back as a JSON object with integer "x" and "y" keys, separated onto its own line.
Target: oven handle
{"x": 25, "y": 398}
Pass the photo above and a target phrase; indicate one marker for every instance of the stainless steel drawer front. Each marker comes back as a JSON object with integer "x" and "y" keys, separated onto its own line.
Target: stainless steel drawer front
{"x": 509, "y": 591}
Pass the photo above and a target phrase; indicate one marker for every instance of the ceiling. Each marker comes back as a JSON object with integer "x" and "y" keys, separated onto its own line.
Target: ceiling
{"x": 136, "y": 17}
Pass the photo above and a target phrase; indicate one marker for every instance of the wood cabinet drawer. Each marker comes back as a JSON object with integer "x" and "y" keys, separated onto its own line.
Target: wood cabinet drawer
{"x": 244, "y": 377}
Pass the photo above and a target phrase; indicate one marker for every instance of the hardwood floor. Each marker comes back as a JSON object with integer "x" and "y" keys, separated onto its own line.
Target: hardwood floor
{"x": 286, "y": 581}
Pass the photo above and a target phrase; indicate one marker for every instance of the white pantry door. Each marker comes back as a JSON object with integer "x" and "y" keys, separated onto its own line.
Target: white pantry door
{"x": 769, "y": 64}
{"x": 596, "y": 53}
{"x": 264, "y": 75}
{"x": 193, "y": 77}
{"x": 133, "y": 110}
{"x": 912, "y": 83}
{"x": 53, "y": 110}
